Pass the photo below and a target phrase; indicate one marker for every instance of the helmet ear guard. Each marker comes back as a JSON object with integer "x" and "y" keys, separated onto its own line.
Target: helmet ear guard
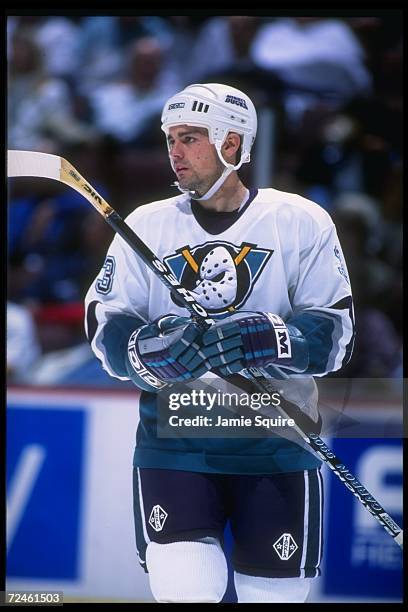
{"x": 219, "y": 108}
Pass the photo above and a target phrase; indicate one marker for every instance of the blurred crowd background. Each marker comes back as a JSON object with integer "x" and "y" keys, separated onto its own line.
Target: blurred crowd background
{"x": 91, "y": 89}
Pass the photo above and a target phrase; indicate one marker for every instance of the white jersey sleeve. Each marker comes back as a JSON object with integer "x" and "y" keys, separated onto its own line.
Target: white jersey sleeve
{"x": 322, "y": 303}
{"x": 119, "y": 290}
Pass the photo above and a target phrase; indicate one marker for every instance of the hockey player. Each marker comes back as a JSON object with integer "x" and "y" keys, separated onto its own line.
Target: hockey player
{"x": 261, "y": 262}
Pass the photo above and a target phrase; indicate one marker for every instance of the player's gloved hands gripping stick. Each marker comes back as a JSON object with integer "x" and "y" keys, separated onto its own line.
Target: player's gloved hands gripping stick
{"x": 174, "y": 348}
{"x": 254, "y": 339}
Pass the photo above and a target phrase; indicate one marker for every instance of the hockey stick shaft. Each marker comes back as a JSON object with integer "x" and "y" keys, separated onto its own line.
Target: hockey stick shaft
{"x": 42, "y": 165}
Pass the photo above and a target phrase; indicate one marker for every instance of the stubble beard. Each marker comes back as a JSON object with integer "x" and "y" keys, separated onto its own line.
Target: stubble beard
{"x": 201, "y": 186}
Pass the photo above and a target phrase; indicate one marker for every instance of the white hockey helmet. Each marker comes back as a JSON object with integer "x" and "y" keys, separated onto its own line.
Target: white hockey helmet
{"x": 219, "y": 108}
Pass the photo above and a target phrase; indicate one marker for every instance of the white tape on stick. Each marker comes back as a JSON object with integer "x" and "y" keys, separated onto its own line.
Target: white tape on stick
{"x": 33, "y": 163}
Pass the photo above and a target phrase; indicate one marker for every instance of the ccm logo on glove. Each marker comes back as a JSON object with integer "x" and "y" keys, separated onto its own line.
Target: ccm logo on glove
{"x": 283, "y": 345}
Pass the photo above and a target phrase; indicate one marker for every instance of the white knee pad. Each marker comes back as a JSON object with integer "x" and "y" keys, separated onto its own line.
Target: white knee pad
{"x": 182, "y": 572}
{"x": 254, "y": 589}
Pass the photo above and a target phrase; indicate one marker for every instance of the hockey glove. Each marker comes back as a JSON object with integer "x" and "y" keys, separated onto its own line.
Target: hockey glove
{"x": 167, "y": 349}
{"x": 254, "y": 339}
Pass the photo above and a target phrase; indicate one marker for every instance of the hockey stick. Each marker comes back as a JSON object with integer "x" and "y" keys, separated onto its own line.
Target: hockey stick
{"x": 44, "y": 165}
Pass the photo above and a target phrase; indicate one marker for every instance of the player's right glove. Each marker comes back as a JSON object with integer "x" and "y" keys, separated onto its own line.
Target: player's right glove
{"x": 167, "y": 350}
{"x": 254, "y": 339}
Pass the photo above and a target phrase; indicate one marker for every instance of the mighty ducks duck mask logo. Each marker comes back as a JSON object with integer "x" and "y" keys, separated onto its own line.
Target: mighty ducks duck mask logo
{"x": 220, "y": 274}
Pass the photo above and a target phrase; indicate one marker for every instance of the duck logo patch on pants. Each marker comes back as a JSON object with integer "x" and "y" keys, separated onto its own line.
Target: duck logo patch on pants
{"x": 285, "y": 546}
{"x": 157, "y": 518}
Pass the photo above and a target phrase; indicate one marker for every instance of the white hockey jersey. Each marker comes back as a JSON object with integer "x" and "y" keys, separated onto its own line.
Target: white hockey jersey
{"x": 279, "y": 253}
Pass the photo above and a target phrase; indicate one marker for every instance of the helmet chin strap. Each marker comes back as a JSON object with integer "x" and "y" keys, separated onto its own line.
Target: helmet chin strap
{"x": 218, "y": 183}
{"x": 215, "y": 187}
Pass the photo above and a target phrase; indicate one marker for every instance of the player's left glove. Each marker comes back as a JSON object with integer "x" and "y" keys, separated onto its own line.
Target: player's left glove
{"x": 254, "y": 339}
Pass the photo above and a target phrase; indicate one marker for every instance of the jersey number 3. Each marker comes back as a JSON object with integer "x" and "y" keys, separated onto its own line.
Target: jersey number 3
{"x": 104, "y": 284}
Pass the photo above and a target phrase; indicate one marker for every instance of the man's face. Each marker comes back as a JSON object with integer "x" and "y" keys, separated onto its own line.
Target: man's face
{"x": 194, "y": 158}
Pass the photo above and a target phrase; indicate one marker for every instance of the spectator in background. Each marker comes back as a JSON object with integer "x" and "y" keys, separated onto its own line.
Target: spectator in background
{"x": 329, "y": 157}
{"x": 46, "y": 254}
{"x": 123, "y": 109}
{"x": 52, "y": 247}
{"x": 23, "y": 348}
{"x": 11, "y": 26}
{"x": 55, "y": 248}
{"x": 40, "y": 113}
{"x": 314, "y": 56}
{"x": 179, "y": 52}
{"x": 104, "y": 44}
{"x": 348, "y": 150}
{"x": 378, "y": 347}
{"x": 59, "y": 39}
{"x": 222, "y": 45}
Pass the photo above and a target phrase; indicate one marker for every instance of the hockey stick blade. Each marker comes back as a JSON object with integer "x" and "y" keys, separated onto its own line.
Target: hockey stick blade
{"x": 45, "y": 165}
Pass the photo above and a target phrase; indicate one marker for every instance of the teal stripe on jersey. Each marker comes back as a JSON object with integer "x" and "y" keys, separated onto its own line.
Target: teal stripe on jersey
{"x": 318, "y": 332}
{"x": 115, "y": 337}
